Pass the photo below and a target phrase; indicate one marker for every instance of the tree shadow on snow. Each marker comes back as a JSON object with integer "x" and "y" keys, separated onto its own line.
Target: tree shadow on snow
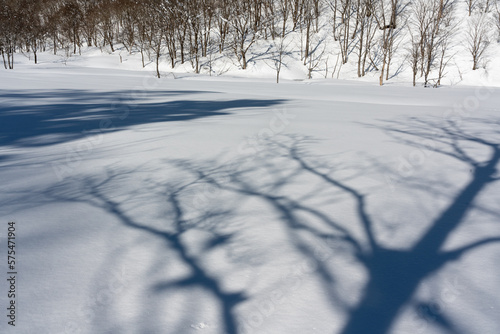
{"x": 64, "y": 115}
{"x": 97, "y": 192}
{"x": 393, "y": 274}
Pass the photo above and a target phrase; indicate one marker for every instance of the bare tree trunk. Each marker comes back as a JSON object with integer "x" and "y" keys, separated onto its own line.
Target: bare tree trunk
{"x": 4, "y": 63}
{"x": 158, "y": 62}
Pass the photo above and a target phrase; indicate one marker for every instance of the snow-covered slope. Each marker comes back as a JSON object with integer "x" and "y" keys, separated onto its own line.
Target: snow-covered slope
{"x": 219, "y": 205}
{"x": 325, "y": 51}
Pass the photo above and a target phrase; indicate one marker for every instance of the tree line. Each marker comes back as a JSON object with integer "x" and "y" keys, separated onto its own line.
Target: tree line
{"x": 368, "y": 33}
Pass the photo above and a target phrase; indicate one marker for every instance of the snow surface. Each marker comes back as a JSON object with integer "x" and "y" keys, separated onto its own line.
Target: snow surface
{"x": 227, "y": 205}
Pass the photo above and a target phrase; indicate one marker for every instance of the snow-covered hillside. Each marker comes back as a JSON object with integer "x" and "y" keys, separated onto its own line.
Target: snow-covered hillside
{"x": 333, "y": 43}
{"x": 224, "y": 205}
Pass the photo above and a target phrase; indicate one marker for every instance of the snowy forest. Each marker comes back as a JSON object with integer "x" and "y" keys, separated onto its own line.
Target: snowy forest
{"x": 378, "y": 36}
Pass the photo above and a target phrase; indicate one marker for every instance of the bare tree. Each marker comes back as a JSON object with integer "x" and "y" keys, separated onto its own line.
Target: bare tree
{"x": 386, "y": 13}
{"x": 10, "y": 30}
{"x": 471, "y": 5}
{"x": 444, "y": 59}
{"x": 170, "y": 39}
{"x": 107, "y": 23}
{"x": 314, "y": 60}
{"x": 127, "y": 18}
{"x": 297, "y": 7}
{"x": 158, "y": 13}
{"x": 431, "y": 25}
{"x": 496, "y": 18}
{"x": 279, "y": 52}
{"x": 284, "y": 8}
{"x": 195, "y": 30}
{"x": 367, "y": 30}
{"x": 222, "y": 18}
{"x": 52, "y": 21}
{"x": 485, "y": 5}
{"x": 413, "y": 51}
{"x": 32, "y": 28}
{"x": 477, "y": 38}
{"x": 90, "y": 22}
{"x": 244, "y": 33}
{"x": 143, "y": 32}
{"x": 343, "y": 30}
{"x": 308, "y": 20}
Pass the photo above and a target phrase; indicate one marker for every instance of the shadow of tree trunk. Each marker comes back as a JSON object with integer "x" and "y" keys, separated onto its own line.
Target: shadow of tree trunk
{"x": 393, "y": 274}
